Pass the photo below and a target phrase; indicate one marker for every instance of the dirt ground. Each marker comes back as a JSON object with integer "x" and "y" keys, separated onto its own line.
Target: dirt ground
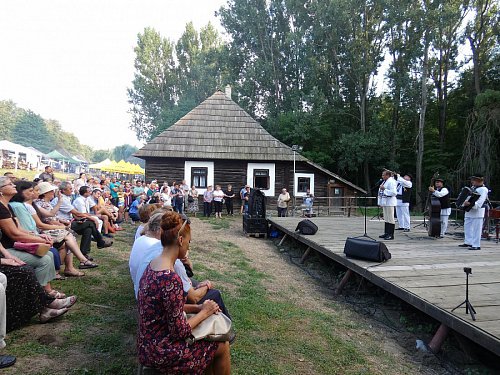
{"x": 312, "y": 287}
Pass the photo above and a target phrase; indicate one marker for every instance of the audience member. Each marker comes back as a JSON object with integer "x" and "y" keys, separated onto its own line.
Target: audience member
{"x": 163, "y": 328}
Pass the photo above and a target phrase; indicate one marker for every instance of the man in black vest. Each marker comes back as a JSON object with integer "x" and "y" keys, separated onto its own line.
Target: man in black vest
{"x": 442, "y": 193}
{"x": 403, "y": 188}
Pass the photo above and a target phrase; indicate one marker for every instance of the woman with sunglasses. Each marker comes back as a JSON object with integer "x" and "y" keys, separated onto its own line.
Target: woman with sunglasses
{"x": 163, "y": 327}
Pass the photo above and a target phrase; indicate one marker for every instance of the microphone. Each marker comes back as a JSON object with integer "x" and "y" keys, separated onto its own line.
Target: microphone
{"x": 379, "y": 182}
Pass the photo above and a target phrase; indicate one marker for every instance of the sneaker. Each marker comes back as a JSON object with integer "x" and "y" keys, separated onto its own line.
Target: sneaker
{"x": 104, "y": 244}
{"x": 464, "y": 245}
{"x": 474, "y": 248}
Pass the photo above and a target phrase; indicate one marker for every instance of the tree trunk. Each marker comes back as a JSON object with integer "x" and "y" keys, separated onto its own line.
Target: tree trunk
{"x": 421, "y": 123}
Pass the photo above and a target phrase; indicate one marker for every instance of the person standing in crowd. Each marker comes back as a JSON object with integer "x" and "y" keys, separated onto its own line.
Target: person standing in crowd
{"x": 228, "y": 197}
{"x": 246, "y": 199}
{"x": 79, "y": 182}
{"x": 185, "y": 189}
{"x": 473, "y": 222}
{"x": 442, "y": 193}
{"x": 387, "y": 193}
{"x": 242, "y": 198}
{"x": 208, "y": 197}
{"x": 48, "y": 175}
{"x": 193, "y": 201}
{"x": 177, "y": 195}
{"x": 308, "y": 203}
{"x": 114, "y": 188}
{"x": 11, "y": 176}
{"x": 283, "y": 200}
{"x": 137, "y": 190}
{"x": 403, "y": 196}
{"x": 218, "y": 195}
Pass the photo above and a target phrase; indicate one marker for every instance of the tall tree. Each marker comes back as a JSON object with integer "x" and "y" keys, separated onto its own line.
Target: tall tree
{"x": 480, "y": 33}
{"x": 154, "y": 84}
{"x": 29, "y": 124}
{"x": 449, "y": 15}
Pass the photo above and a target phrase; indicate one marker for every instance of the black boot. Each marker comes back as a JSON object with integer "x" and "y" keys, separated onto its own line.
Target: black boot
{"x": 390, "y": 233}
{"x": 386, "y": 231}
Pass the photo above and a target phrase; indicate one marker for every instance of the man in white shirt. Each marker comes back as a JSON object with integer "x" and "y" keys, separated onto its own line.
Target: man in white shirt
{"x": 83, "y": 223}
{"x": 442, "y": 193}
{"x": 403, "y": 196}
{"x": 387, "y": 200}
{"x": 473, "y": 221}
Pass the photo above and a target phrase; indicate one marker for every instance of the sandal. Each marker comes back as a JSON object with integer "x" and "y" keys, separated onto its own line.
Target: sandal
{"x": 55, "y": 294}
{"x": 59, "y": 277}
{"x": 87, "y": 264}
{"x": 49, "y": 314}
{"x": 74, "y": 274}
{"x": 66, "y": 303}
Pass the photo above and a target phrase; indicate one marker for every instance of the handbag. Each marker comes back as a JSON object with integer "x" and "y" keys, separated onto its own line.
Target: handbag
{"x": 217, "y": 327}
{"x": 38, "y": 249}
{"x": 190, "y": 199}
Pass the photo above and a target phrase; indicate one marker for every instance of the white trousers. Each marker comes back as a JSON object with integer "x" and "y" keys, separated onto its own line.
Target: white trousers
{"x": 3, "y": 309}
{"x": 444, "y": 224}
{"x": 388, "y": 214}
{"x": 403, "y": 214}
{"x": 473, "y": 228}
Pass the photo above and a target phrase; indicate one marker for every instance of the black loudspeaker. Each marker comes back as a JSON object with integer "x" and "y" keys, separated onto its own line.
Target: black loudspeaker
{"x": 306, "y": 226}
{"x": 360, "y": 248}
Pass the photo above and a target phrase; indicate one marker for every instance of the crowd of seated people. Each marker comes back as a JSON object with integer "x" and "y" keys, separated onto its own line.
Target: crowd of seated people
{"x": 159, "y": 267}
{"x": 39, "y": 222}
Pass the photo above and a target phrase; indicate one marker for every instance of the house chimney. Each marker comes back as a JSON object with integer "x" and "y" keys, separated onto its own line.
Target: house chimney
{"x": 228, "y": 91}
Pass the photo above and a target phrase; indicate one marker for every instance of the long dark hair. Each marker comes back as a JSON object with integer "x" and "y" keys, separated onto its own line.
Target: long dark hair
{"x": 21, "y": 186}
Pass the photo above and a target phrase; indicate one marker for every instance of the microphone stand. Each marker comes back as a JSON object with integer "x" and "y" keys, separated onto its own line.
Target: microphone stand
{"x": 365, "y": 234}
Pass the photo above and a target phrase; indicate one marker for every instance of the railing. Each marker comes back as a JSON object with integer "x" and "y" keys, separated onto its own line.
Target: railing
{"x": 332, "y": 206}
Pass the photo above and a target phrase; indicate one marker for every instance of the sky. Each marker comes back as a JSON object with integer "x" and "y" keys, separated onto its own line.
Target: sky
{"x": 72, "y": 61}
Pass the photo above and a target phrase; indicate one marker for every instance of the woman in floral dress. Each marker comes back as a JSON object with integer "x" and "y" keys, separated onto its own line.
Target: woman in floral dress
{"x": 193, "y": 201}
{"x": 163, "y": 327}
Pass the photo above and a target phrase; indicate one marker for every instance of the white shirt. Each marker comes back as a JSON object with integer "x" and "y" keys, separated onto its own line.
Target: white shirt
{"x": 218, "y": 195}
{"x": 81, "y": 204}
{"x": 477, "y": 211}
{"x": 144, "y": 250}
{"x": 387, "y": 196}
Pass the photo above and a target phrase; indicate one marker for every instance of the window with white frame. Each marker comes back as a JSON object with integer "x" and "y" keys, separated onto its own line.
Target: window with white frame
{"x": 200, "y": 174}
{"x": 199, "y": 177}
{"x": 303, "y": 181}
{"x": 261, "y": 179}
{"x": 262, "y": 176}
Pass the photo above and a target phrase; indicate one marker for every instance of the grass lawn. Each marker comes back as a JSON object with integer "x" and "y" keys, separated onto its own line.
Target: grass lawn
{"x": 274, "y": 334}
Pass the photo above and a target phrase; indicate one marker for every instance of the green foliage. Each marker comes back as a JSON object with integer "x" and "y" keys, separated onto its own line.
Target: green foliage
{"x": 123, "y": 152}
{"x": 29, "y": 124}
{"x": 171, "y": 79}
{"x": 489, "y": 98}
{"x": 307, "y": 72}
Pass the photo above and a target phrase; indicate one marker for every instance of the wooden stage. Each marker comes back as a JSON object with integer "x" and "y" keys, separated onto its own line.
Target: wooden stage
{"x": 425, "y": 272}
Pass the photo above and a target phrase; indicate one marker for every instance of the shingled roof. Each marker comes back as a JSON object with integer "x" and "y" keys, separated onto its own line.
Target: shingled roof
{"x": 217, "y": 129}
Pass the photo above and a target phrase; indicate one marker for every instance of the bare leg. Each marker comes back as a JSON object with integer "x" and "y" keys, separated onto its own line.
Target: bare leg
{"x": 74, "y": 248}
{"x": 221, "y": 364}
{"x": 69, "y": 264}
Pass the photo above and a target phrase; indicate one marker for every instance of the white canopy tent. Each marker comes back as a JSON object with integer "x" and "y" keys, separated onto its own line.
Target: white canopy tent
{"x": 17, "y": 154}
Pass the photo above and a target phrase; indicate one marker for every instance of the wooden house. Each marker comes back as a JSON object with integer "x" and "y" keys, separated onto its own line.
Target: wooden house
{"x": 219, "y": 143}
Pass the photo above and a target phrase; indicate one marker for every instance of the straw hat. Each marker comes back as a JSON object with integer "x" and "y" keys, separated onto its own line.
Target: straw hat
{"x": 45, "y": 187}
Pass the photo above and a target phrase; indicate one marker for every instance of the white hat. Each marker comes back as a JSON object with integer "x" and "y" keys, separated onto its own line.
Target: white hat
{"x": 45, "y": 187}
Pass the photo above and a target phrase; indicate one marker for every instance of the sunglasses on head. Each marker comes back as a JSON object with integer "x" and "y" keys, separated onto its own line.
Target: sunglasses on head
{"x": 186, "y": 221}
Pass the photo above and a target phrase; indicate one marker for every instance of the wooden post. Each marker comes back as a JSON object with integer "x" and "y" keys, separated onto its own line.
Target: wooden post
{"x": 282, "y": 240}
{"x": 306, "y": 254}
{"x": 344, "y": 281}
{"x": 438, "y": 338}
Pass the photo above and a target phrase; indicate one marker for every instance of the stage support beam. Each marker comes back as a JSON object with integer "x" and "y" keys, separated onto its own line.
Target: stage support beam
{"x": 306, "y": 254}
{"x": 344, "y": 281}
{"x": 283, "y": 240}
{"x": 438, "y": 338}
